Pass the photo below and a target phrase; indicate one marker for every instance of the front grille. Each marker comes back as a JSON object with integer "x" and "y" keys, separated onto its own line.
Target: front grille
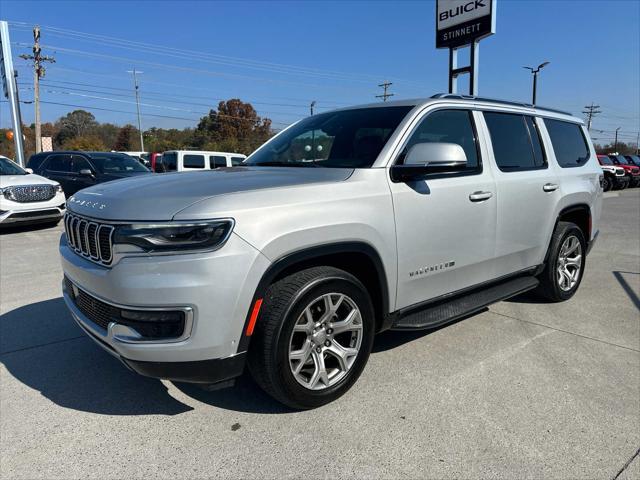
{"x": 157, "y": 325}
{"x": 100, "y": 313}
{"x": 30, "y": 193}
{"x": 90, "y": 239}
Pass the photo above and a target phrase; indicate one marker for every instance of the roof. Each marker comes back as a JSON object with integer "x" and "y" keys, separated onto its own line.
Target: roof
{"x": 462, "y": 99}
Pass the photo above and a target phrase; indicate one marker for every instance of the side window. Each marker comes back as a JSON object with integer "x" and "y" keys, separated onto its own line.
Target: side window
{"x": 568, "y": 142}
{"x": 79, "y": 163}
{"x": 59, "y": 163}
{"x": 170, "y": 161}
{"x": 235, "y": 161}
{"x": 216, "y": 161}
{"x": 193, "y": 161}
{"x": 515, "y": 140}
{"x": 448, "y": 126}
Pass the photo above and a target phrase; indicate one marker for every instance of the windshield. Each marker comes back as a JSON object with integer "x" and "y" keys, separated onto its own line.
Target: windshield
{"x": 343, "y": 139}
{"x": 605, "y": 160}
{"x": 7, "y": 167}
{"x": 116, "y": 163}
{"x": 623, "y": 160}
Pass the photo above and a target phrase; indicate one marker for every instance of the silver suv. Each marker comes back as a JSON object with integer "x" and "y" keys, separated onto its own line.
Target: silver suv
{"x": 398, "y": 215}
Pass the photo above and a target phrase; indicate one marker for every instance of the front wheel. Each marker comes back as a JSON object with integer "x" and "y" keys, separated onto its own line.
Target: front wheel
{"x": 563, "y": 272}
{"x": 313, "y": 337}
{"x": 606, "y": 184}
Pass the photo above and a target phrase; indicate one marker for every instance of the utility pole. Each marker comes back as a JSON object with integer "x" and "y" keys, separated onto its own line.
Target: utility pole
{"x": 137, "y": 88}
{"x": 638, "y": 144}
{"x": 38, "y": 73}
{"x": 615, "y": 144}
{"x": 591, "y": 111}
{"x": 313, "y": 104}
{"x": 385, "y": 85}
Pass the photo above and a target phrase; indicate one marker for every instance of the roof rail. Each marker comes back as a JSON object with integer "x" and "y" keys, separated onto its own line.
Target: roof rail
{"x": 497, "y": 101}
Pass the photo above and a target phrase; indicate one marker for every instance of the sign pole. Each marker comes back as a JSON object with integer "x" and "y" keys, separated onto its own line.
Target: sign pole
{"x": 11, "y": 91}
{"x": 453, "y": 65}
{"x": 473, "y": 74}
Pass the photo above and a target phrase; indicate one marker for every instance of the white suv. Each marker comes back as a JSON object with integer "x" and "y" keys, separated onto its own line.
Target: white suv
{"x": 26, "y": 198}
{"x": 402, "y": 215}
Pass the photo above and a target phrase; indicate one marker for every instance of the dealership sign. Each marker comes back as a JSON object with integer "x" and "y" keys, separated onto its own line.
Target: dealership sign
{"x": 461, "y": 22}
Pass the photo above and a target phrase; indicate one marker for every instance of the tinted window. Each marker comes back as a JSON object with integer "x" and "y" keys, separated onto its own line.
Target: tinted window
{"x": 448, "y": 126}
{"x": 605, "y": 160}
{"x": 193, "y": 161}
{"x": 513, "y": 142}
{"x": 79, "y": 163}
{"x": 237, "y": 161}
{"x": 622, "y": 160}
{"x": 35, "y": 161}
{"x": 343, "y": 139}
{"x": 216, "y": 161}
{"x": 170, "y": 161}
{"x": 614, "y": 159}
{"x": 59, "y": 163}
{"x": 116, "y": 163}
{"x": 568, "y": 142}
{"x": 634, "y": 159}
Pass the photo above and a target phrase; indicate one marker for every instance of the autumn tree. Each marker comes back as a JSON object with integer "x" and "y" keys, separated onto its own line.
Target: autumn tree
{"x": 87, "y": 143}
{"x": 234, "y": 127}
{"x": 125, "y": 140}
{"x": 75, "y": 124}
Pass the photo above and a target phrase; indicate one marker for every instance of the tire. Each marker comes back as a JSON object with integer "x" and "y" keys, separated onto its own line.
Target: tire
{"x": 606, "y": 184}
{"x": 555, "y": 286}
{"x": 286, "y": 305}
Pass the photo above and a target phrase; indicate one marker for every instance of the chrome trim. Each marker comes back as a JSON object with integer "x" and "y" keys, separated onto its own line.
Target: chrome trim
{"x": 115, "y": 331}
{"x": 78, "y": 238}
{"x": 104, "y": 260}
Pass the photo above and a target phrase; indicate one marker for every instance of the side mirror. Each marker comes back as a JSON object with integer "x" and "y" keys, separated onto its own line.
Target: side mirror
{"x": 85, "y": 172}
{"x": 429, "y": 158}
{"x": 28, "y": 170}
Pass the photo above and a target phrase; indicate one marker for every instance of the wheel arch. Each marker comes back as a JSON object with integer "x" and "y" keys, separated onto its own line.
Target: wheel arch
{"x": 358, "y": 258}
{"x": 578, "y": 214}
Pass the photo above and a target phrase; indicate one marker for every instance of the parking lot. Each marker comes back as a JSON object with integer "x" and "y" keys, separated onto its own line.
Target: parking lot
{"x": 522, "y": 390}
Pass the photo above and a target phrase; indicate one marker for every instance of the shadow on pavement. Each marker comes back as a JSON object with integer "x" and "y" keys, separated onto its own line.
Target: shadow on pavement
{"x": 627, "y": 288}
{"x": 43, "y": 348}
{"x": 7, "y": 230}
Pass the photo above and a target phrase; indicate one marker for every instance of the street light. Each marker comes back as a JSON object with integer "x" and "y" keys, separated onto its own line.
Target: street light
{"x": 535, "y": 78}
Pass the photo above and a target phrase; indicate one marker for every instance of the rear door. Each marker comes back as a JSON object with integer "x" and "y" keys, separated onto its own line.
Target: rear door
{"x": 58, "y": 167}
{"x": 527, "y": 190}
{"x": 445, "y": 224}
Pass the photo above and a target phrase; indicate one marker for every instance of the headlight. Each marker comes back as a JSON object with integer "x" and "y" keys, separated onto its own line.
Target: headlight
{"x": 207, "y": 235}
{"x": 58, "y": 188}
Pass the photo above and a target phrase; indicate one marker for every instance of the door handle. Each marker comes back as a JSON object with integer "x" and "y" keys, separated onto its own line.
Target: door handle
{"x": 480, "y": 196}
{"x": 550, "y": 187}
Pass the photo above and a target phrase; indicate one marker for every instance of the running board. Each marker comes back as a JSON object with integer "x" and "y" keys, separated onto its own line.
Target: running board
{"x": 450, "y": 309}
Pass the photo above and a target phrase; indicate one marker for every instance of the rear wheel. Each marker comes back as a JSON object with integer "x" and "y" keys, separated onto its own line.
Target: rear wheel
{"x": 565, "y": 263}
{"x": 313, "y": 337}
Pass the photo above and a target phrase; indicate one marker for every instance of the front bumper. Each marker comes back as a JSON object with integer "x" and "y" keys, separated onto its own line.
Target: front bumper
{"x": 12, "y": 213}
{"x": 620, "y": 181}
{"x": 217, "y": 287}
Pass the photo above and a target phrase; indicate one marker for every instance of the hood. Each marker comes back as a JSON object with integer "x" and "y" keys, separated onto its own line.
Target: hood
{"x": 31, "y": 179}
{"x": 159, "y": 197}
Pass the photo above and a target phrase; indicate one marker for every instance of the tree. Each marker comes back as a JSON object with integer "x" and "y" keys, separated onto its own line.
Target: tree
{"x": 124, "y": 142}
{"x": 621, "y": 149}
{"x": 86, "y": 143}
{"x": 75, "y": 124}
{"x": 235, "y": 126}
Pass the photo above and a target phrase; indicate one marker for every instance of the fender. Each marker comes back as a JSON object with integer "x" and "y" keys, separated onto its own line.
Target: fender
{"x": 563, "y": 212}
{"x": 306, "y": 255}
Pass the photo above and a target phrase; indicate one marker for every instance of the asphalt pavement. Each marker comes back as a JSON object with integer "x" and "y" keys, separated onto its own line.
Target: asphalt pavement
{"x": 523, "y": 390}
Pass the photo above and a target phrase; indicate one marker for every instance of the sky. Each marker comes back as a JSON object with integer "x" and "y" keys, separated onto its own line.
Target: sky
{"x": 281, "y": 56}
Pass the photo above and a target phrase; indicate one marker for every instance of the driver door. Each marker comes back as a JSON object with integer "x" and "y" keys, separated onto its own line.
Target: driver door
{"x": 445, "y": 223}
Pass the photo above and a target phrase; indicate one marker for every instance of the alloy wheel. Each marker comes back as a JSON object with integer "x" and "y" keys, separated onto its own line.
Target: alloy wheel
{"x": 325, "y": 341}
{"x": 569, "y": 263}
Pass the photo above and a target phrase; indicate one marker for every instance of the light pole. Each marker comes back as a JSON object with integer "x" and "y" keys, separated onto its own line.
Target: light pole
{"x": 615, "y": 143}
{"x": 535, "y": 78}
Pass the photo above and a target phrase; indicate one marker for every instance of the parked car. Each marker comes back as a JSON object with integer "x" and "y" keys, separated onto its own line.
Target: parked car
{"x": 26, "y": 198}
{"x": 633, "y": 159}
{"x": 413, "y": 214}
{"x": 185, "y": 160}
{"x": 631, "y": 171}
{"x": 78, "y": 170}
{"x": 614, "y": 177}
